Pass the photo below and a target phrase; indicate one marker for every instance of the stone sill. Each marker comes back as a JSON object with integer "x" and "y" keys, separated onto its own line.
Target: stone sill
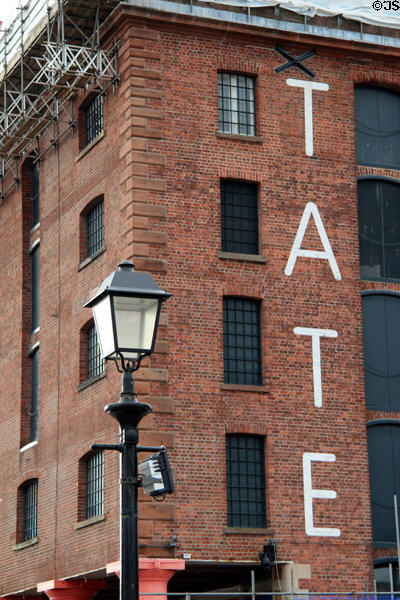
{"x": 90, "y": 146}
{"x": 258, "y": 258}
{"x": 29, "y": 445}
{"x": 90, "y": 521}
{"x": 238, "y": 136}
{"x": 238, "y": 387}
{"x": 248, "y": 531}
{"x": 89, "y": 259}
{"x": 90, "y": 381}
{"x": 26, "y": 544}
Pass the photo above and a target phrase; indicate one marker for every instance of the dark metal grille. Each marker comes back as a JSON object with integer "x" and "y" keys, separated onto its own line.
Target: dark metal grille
{"x": 236, "y": 104}
{"x": 245, "y": 480}
{"x": 379, "y": 229}
{"x": 95, "y": 485}
{"x": 239, "y": 217}
{"x": 35, "y": 195}
{"x": 30, "y": 517}
{"x": 34, "y": 412}
{"x": 242, "y": 341}
{"x": 94, "y": 364}
{"x": 95, "y": 228}
{"x": 94, "y": 119}
{"x": 35, "y": 262}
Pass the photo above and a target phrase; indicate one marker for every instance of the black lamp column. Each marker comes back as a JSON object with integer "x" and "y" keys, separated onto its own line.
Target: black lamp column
{"x": 128, "y": 412}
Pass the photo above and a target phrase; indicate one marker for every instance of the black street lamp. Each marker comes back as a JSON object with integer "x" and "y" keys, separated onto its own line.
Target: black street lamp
{"x": 126, "y": 312}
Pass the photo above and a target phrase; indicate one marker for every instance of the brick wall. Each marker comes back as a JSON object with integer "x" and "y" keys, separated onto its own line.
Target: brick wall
{"x": 159, "y": 166}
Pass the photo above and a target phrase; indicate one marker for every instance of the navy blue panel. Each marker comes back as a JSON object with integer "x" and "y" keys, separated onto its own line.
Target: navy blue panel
{"x": 381, "y": 327}
{"x": 377, "y": 127}
{"x": 384, "y": 467}
{"x": 379, "y": 229}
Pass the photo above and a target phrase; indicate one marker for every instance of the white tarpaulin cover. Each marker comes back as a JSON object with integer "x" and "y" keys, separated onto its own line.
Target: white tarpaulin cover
{"x": 349, "y": 9}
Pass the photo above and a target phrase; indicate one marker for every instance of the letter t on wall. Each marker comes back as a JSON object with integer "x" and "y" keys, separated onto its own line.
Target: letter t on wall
{"x": 316, "y": 334}
{"x": 308, "y": 87}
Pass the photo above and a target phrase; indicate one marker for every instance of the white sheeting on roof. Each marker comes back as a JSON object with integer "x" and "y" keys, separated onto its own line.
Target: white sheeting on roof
{"x": 356, "y": 11}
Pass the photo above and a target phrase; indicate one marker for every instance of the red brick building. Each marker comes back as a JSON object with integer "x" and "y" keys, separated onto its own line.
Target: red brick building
{"x": 267, "y": 201}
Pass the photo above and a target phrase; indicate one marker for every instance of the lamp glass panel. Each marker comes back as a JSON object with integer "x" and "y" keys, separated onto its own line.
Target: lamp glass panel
{"x": 135, "y": 320}
{"x": 103, "y": 321}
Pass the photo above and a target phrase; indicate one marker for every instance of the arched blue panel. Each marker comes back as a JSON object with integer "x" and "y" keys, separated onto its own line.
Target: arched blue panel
{"x": 381, "y": 334}
{"x": 379, "y": 228}
{"x": 384, "y": 470}
{"x": 377, "y": 127}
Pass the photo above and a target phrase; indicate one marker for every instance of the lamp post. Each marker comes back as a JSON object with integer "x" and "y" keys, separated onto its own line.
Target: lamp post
{"x": 126, "y": 312}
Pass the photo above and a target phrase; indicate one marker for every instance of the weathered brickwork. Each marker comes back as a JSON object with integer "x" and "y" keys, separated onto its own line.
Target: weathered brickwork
{"x": 158, "y": 166}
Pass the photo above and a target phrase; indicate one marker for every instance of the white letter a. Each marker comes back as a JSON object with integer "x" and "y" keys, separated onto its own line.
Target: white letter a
{"x": 326, "y": 254}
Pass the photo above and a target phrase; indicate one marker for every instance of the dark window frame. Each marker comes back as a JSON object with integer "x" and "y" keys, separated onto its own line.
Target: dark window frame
{"x": 374, "y": 144}
{"x": 35, "y": 194}
{"x": 391, "y": 564}
{"x": 29, "y": 514}
{"x": 245, "y": 480}
{"x": 242, "y": 341}
{"x": 371, "y": 370}
{"x": 94, "y": 218}
{"x": 239, "y": 216}
{"x": 94, "y": 364}
{"x": 237, "y": 115}
{"x": 94, "y": 118}
{"x": 381, "y": 246}
{"x": 94, "y": 485}
{"x": 34, "y": 356}
{"x": 35, "y": 294}
{"x": 373, "y": 425}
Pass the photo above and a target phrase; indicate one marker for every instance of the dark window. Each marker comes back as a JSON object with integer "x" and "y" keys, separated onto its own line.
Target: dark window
{"x": 377, "y": 127}
{"x": 94, "y": 118}
{"x": 30, "y": 512}
{"x": 236, "y": 104}
{"x": 94, "y": 485}
{"x": 94, "y": 362}
{"x": 379, "y": 229}
{"x": 386, "y": 575}
{"x": 95, "y": 228}
{"x": 35, "y": 259}
{"x": 384, "y": 473}
{"x": 239, "y": 217}
{"x": 242, "y": 341}
{"x": 34, "y": 412}
{"x": 35, "y": 194}
{"x": 245, "y": 480}
{"x": 381, "y": 327}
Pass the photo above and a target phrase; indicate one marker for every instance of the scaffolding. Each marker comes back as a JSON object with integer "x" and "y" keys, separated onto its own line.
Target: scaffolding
{"x": 50, "y": 51}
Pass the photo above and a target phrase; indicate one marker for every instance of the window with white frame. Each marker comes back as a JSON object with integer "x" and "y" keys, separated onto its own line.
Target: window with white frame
{"x": 236, "y": 104}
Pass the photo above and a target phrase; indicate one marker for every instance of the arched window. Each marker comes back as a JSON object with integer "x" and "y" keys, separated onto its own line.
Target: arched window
{"x": 377, "y": 127}
{"x": 384, "y": 472}
{"x": 381, "y": 326}
{"x": 379, "y": 228}
{"x": 91, "y": 486}
{"x": 386, "y": 574}
{"x": 92, "y": 229}
{"x": 27, "y": 528}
